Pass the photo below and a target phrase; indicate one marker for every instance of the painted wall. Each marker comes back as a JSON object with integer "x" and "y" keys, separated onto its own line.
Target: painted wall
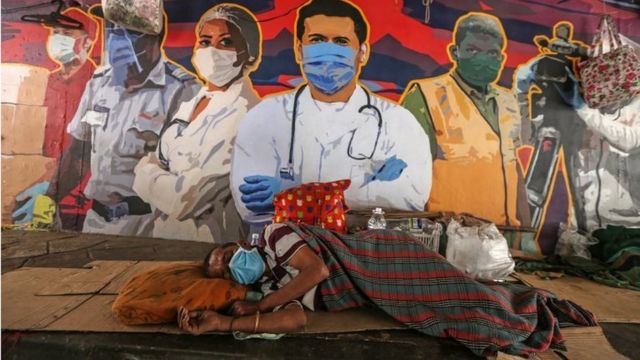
{"x": 526, "y": 159}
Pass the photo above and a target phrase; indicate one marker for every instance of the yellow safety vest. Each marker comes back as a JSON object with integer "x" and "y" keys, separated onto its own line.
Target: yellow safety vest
{"x": 475, "y": 168}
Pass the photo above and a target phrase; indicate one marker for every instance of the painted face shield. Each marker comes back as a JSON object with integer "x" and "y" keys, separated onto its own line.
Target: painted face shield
{"x": 121, "y": 52}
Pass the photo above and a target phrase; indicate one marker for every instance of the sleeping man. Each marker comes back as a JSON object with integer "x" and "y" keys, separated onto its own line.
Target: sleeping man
{"x": 302, "y": 267}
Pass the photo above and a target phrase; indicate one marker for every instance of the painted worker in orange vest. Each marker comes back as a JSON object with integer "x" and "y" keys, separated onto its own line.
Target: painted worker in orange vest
{"x": 474, "y": 127}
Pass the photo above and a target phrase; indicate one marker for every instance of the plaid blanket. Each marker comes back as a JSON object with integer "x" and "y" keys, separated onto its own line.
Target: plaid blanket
{"x": 395, "y": 273}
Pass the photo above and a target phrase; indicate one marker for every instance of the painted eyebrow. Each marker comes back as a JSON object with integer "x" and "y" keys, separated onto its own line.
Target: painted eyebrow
{"x": 318, "y": 35}
{"x": 206, "y": 36}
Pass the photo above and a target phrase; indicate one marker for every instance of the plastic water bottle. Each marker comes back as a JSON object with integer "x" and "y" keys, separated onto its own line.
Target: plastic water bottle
{"x": 255, "y": 239}
{"x": 377, "y": 220}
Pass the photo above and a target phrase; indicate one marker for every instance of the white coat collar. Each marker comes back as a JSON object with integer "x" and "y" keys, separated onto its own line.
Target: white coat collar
{"x": 218, "y": 100}
{"x": 357, "y": 98}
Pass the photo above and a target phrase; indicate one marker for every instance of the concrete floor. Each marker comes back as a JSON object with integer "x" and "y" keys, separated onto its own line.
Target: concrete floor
{"x": 45, "y": 249}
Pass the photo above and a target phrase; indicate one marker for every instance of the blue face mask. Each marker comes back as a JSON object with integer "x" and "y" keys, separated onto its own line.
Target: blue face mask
{"x": 328, "y": 67}
{"x": 122, "y": 54}
{"x": 246, "y": 266}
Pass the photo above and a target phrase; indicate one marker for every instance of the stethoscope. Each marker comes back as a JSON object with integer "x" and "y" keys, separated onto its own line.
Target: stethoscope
{"x": 286, "y": 173}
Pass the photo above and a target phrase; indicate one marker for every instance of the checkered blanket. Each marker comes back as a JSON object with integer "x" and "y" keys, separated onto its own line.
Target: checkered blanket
{"x": 395, "y": 273}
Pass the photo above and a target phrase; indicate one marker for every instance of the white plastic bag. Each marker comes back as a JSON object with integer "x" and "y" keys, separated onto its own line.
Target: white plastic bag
{"x": 572, "y": 243}
{"x": 480, "y": 251}
{"x": 144, "y": 16}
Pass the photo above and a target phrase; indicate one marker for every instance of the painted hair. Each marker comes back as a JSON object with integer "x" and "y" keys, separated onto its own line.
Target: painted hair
{"x": 243, "y": 20}
{"x": 479, "y": 24}
{"x": 336, "y": 8}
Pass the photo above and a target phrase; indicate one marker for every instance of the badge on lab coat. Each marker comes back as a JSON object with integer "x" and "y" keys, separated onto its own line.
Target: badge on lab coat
{"x": 96, "y": 117}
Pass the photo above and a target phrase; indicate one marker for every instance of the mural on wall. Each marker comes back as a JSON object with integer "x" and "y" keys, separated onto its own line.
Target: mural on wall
{"x": 148, "y": 151}
{"x": 70, "y": 50}
{"x": 474, "y": 127}
{"x": 331, "y": 127}
{"x": 187, "y": 179}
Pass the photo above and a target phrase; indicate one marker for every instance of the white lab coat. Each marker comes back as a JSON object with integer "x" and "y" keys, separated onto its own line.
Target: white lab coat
{"x": 323, "y": 133}
{"x": 613, "y": 140}
{"x": 190, "y": 189}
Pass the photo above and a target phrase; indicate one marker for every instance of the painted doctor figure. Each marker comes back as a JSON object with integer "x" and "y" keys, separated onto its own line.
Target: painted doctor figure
{"x": 187, "y": 179}
{"x": 331, "y": 127}
{"x": 121, "y": 113}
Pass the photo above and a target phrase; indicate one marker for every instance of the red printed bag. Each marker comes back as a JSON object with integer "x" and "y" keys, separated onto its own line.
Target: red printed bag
{"x": 320, "y": 204}
{"x": 612, "y": 73}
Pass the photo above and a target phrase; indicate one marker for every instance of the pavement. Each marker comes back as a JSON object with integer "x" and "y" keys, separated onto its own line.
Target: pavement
{"x": 60, "y": 249}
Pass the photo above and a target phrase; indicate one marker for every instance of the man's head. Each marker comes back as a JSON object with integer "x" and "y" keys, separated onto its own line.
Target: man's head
{"x": 235, "y": 261}
{"x": 72, "y": 46}
{"x": 216, "y": 264}
{"x": 131, "y": 54}
{"x": 478, "y": 48}
{"x": 132, "y": 50}
{"x": 331, "y": 43}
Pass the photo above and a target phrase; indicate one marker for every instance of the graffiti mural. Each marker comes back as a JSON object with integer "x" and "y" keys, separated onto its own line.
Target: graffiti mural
{"x": 113, "y": 131}
{"x": 474, "y": 126}
{"x": 187, "y": 178}
{"x": 331, "y": 127}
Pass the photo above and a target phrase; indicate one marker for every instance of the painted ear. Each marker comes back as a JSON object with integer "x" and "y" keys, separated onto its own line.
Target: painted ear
{"x": 363, "y": 53}
{"x": 297, "y": 50}
{"x": 453, "y": 52}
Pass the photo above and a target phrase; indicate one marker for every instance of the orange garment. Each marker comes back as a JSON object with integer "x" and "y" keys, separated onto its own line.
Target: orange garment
{"x": 153, "y": 297}
{"x": 475, "y": 168}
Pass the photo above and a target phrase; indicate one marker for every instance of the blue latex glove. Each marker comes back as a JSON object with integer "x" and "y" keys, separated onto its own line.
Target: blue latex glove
{"x": 389, "y": 171}
{"x": 24, "y": 213}
{"x": 258, "y": 192}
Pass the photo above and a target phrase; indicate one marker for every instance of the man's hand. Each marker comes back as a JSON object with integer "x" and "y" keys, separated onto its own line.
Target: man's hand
{"x": 243, "y": 308}
{"x": 201, "y": 321}
{"x": 27, "y": 200}
{"x": 258, "y": 192}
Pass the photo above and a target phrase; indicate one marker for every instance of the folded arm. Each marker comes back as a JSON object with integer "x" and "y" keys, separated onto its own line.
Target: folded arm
{"x": 404, "y": 140}
{"x": 176, "y": 195}
{"x": 312, "y": 271}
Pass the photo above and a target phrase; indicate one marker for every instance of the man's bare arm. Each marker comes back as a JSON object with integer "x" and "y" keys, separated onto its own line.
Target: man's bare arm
{"x": 312, "y": 271}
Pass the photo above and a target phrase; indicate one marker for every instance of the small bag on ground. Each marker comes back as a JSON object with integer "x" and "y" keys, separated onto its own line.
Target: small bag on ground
{"x": 479, "y": 250}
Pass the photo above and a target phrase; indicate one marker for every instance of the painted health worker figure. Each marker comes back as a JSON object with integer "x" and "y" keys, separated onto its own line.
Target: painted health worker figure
{"x": 120, "y": 115}
{"x": 331, "y": 127}
{"x": 187, "y": 179}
